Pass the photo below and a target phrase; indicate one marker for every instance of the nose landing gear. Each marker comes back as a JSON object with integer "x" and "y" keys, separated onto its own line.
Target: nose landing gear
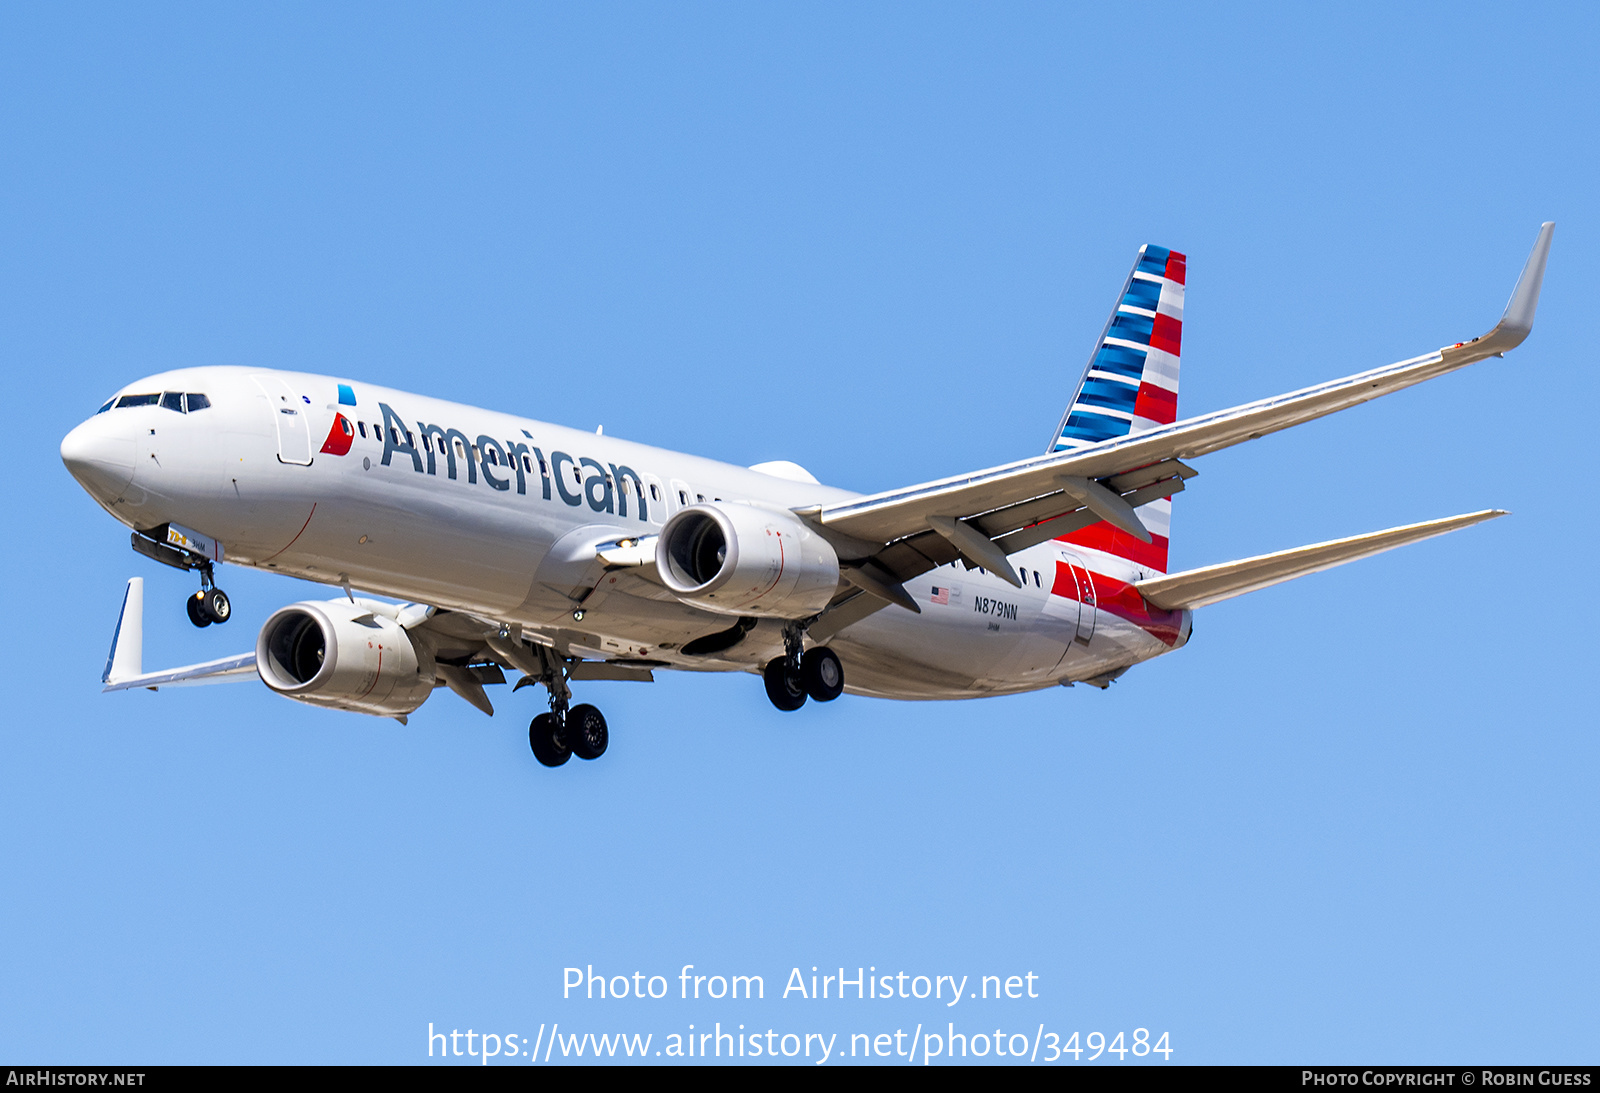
{"x": 206, "y": 606}
{"x": 210, "y": 604}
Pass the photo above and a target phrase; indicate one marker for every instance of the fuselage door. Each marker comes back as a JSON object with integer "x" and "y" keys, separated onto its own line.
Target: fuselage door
{"x": 289, "y": 416}
{"x": 1073, "y": 579}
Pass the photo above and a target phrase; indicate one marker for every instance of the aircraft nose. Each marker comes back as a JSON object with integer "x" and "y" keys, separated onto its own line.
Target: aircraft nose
{"x": 100, "y": 457}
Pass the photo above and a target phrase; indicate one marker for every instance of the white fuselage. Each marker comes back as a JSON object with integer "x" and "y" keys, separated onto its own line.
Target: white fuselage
{"x": 510, "y": 535}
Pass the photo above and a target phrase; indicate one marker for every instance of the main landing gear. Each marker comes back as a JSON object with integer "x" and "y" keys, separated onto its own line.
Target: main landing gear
{"x": 582, "y": 733}
{"x": 210, "y": 604}
{"x": 562, "y": 733}
{"x": 795, "y": 676}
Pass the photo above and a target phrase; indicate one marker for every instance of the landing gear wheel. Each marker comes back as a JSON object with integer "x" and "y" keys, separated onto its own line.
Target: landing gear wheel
{"x": 822, "y": 674}
{"x": 215, "y": 606}
{"x": 546, "y": 739}
{"x": 586, "y": 732}
{"x": 197, "y": 611}
{"x": 785, "y": 686}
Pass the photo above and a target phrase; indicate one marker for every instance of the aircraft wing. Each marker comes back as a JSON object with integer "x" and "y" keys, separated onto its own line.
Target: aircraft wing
{"x": 890, "y": 537}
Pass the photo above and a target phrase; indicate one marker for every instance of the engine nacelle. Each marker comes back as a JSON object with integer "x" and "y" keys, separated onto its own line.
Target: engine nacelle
{"x": 739, "y": 559}
{"x": 351, "y": 656}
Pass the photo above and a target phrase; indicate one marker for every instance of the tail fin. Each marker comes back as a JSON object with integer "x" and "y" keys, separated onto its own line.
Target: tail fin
{"x": 1130, "y": 385}
{"x": 1131, "y": 382}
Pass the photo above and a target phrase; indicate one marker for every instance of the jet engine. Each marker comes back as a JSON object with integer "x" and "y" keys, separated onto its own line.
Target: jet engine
{"x": 351, "y": 656}
{"x": 739, "y": 559}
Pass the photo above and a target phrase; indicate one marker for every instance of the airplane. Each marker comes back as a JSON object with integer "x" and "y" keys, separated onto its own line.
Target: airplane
{"x": 565, "y": 556}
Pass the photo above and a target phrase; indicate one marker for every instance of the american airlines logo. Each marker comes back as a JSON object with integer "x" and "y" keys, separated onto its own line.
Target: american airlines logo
{"x": 504, "y": 464}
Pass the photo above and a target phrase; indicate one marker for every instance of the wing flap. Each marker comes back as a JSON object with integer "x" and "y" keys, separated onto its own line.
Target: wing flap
{"x": 1213, "y": 584}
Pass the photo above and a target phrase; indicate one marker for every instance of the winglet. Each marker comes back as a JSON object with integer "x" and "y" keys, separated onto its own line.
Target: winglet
{"x": 1517, "y": 322}
{"x": 1518, "y": 319}
{"x": 126, "y": 658}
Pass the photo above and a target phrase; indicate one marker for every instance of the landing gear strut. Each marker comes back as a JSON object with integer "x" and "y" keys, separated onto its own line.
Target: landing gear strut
{"x": 206, "y": 606}
{"x": 562, "y": 733}
{"x": 210, "y": 604}
{"x": 799, "y": 673}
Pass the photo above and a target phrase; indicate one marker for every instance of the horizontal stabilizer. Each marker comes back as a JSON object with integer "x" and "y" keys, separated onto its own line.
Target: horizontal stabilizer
{"x": 125, "y": 669}
{"x": 1215, "y": 583}
{"x": 227, "y": 670}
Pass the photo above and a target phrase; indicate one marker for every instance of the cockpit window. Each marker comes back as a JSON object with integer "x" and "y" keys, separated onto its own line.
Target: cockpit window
{"x": 171, "y": 400}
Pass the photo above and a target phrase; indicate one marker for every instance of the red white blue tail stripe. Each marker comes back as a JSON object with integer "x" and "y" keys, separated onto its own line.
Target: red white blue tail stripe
{"x": 1130, "y": 385}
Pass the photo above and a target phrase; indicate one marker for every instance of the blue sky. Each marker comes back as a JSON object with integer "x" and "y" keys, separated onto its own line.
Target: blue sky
{"x": 1352, "y": 821}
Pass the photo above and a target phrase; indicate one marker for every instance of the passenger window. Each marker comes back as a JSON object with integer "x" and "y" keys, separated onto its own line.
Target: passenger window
{"x": 196, "y": 401}
{"x": 527, "y": 465}
{"x": 362, "y": 425}
{"x": 655, "y": 494}
{"x": 411, "y": 438}
{"x": 172, "y": 400}
{"x": 683, "y": 498}
{"x": 577, "y": 475}
{"x": 700, "y": 497}
{"x": 425, "y": 445}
